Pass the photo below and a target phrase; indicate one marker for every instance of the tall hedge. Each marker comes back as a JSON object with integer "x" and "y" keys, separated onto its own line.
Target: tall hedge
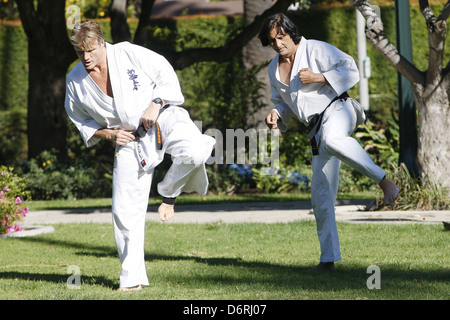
{"x": 336, "y": 26}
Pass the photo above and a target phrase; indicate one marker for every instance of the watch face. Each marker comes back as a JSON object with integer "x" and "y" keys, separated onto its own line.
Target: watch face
{"x": 158, "y": 100}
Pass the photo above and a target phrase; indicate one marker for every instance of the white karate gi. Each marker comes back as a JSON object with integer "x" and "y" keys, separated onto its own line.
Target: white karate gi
{"x": 139, "y": 75}
{"x": 339, "y": 121}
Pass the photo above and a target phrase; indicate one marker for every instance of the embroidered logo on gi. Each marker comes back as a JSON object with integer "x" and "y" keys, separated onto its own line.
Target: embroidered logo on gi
{"x": 143, "y": 163}
{"x": 132, "y": 76}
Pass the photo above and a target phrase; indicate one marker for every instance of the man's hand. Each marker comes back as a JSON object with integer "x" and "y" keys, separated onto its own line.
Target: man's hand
{"x": 271, "y": 119}
{"x": 122, "y": 137}
{"x": 307, "y": 76}
{"x": 150, "y": 115}
{"x": 116, "y": 136}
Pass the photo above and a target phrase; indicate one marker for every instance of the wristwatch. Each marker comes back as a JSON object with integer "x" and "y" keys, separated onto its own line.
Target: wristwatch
{"x": 158, "y": 101}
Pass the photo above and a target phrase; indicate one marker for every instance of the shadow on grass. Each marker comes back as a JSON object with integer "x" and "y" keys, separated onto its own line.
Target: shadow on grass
{"x": 230, "y": 271}
{"x": 58, "y": 278}
{"x": 291, "y": 277}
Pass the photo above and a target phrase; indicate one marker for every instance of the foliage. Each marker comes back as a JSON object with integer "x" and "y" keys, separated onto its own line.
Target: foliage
{"x": 229, "y": 179}
{"x": 8, "y": 10}
{"x": 13, "y": 68}
{"x": 380, "y": 140}
{"x": 13, "y": 136}
{"x": 12, "y": 200}
{"x": 50, "y": 178}
{"x": 283, "y": 180}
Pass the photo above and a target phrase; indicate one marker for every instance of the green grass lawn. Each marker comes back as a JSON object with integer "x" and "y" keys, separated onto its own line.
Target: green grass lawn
{"x": 231, "y": 262}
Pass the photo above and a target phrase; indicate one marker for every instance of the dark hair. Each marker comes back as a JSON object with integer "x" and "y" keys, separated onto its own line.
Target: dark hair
{"x": 282, "y": 23}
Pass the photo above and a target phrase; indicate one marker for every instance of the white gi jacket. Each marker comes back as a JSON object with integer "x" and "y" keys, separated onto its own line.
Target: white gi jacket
{"x": 307, "y": 100}
{"x": 137, "y": 75}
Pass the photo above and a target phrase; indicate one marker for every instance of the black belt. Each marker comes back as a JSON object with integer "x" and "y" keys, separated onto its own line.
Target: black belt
{"x": 316, "y": 121}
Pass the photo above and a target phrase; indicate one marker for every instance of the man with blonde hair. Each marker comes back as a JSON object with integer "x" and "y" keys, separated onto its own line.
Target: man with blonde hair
{"x": 130, "y": 95}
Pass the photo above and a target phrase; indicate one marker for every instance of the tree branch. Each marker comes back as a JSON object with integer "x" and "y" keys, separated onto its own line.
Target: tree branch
{"x": 378, "y": 39}
{"x": 436, "y": 39}
{"x": 426, "y": 12}
{"x": 224, "y": 53}
{"x": 445, "y": 12}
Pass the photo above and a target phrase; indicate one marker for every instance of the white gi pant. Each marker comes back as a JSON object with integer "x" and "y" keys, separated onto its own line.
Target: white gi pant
{"x": 336, "y": 145}
{"x": 131, "y": 188}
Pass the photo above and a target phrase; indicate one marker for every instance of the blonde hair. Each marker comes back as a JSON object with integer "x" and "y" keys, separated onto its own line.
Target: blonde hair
{"x": 85, "y": 32}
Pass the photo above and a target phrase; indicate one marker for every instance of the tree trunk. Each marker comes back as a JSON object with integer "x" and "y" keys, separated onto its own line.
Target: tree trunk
{"x": 49, "y": 55}
{"x": 119, "y": 26}
{"x": 433, "y": 154}
{"x": 144, "y": 19}
{"x": 255, "y": 54}
{"x": 431, "y": 89}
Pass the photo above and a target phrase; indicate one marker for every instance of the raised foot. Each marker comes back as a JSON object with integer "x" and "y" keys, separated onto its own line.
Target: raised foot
{"x": 166, "y": 211}
{"x": 391, "y": 192}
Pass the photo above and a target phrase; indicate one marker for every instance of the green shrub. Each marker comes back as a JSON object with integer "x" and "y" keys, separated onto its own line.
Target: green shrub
{"x": 50, "y": 178}
{"x": 284, "y": 179}
{"x": 381, "y": 141}
{"x": 225, "y": 179}
{"x": 13, "y": 136}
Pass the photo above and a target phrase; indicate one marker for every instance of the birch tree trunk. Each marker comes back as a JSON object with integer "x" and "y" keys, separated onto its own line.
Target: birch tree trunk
{"x": 431, "y": 89}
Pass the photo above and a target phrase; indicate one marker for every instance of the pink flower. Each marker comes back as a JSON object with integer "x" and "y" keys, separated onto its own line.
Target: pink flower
{"x": 18, "y": 200}
{"x": 24, "y": 212}
{"x": 6, "y": 188}
{"x": 11, "y": 228}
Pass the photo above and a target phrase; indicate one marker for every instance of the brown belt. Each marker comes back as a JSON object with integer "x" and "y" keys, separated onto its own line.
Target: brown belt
{"x": 141, "y": 132}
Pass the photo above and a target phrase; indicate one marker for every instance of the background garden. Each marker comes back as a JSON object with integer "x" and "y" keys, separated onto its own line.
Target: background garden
{"x": 220, "y": 95}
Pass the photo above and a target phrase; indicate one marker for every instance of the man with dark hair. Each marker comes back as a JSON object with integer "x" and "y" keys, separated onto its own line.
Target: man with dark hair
{"x": 282, "y": 25}
{"x": 309, "y": 80}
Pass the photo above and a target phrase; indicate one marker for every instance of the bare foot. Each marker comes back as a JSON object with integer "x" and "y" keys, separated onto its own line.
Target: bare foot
{"x": 390, "y": 190}
{"x": 166, "y": 211}
{"x": 122, "y": 289}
